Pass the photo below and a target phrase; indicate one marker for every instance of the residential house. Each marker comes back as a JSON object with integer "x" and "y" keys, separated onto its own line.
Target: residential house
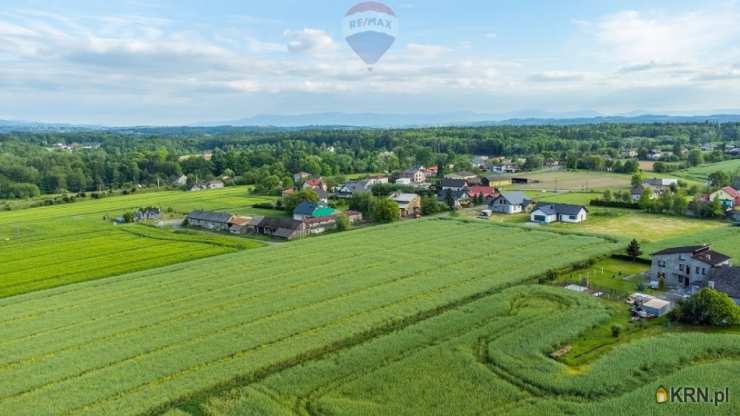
{"x": 311, "y": 210}
{"x": 214, "y": 221}
{"x": 726, "y": 279}
{"x": 650, "y": 306}
{"x": 504, "y": 167}
{"x": 637, "y": 191}
{"x": 431, "y": 171}
{"x": 735, "y": 152}
{"x": 300, "y": 177}
{"x": 417, "y": 174}
{"x": 147, "y": 214}
{"x": 215, "y": 184}
{"x": 453, "y": 184}
{"x": 510, "y": 203}
{"x": 480, "y": 161}
{"x": 661, "y": 182}
{"x": 239, "y": 224}
{"x": 655, "y": 154}
{"x": 315, "y": 183}
{"x": 549, "y": 213}
{"x": 687, "y": 267}
{"x": 728, "y": 197}
{"x": 487, "y": 192}
{"x": 403, "y": 181}
{"x": 350, "y": 188}
{"x": 459, "y": 198}
{"x": 409, "y": 204}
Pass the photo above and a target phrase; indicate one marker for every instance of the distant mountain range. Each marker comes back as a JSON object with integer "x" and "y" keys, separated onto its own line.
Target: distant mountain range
{"x": 377, "y": 120}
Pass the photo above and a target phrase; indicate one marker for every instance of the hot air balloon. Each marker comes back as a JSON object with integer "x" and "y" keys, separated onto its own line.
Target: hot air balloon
{"x": 370, "y": 29}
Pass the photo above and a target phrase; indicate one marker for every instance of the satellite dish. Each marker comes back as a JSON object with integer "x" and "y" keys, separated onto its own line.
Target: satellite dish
{"x": 370, "y": 29}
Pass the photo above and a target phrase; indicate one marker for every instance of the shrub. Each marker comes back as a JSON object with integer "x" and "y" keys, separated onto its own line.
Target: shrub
{"x": 616, "y": 330}
{"x": 708, "y": 307}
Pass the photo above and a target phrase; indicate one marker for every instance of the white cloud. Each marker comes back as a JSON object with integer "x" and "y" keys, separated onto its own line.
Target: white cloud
{"x": 490, "y": 35}
{"x": 309, "y": 41}
{"x": 636, "y": 37}
{"x": 420, "y": 51}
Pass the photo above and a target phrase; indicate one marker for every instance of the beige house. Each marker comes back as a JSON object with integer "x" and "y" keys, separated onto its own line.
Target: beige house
{"x": 410, "y": 204}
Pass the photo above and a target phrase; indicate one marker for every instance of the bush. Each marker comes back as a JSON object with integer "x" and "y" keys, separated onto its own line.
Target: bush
{"x": 708, "y": 307}
{"x": 343, "y": 223}
{"x": 616, "y": 330}
{"x": 614, "y": 204}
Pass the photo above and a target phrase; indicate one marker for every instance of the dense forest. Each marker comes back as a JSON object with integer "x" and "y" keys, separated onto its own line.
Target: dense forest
{"x": 49, "y": 163}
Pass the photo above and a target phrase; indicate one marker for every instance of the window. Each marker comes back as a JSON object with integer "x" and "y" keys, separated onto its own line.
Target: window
{"x": 697, "y": 269}
{"x": 573, "y": 217}
{"x": 661, "y": 263}
{"x": 703, "y": 270}
{"x": 680, "y": 267}
{"x": 682, "y": 257}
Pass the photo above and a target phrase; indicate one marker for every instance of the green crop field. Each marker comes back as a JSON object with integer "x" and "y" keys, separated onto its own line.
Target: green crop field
{"x": 57, "y": 245}
{"x": 492, "y": 357}
{"x": 701, "y": 173}
{"x": 152, "y": 341}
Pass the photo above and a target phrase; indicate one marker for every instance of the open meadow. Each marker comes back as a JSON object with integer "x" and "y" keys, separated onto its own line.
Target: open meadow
{"x": 57, "y": 245}
{"x": 160, "y": 339}
{"x": 567, "y": 180}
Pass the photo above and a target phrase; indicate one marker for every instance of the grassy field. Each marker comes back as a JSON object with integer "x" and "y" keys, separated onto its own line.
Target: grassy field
{"x": 701, "y": 173}
{"x": 57, "y": 245}
{"x": 628, "y": 224}
{"x": 159, "y": 339}
{"x": 492, "y": 357}
{"x": 725, "y": 240}
{"x": 574, "y": 181}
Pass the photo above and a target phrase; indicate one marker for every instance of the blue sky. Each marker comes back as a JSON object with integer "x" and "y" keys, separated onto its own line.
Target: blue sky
{"x": 174, "y": 62}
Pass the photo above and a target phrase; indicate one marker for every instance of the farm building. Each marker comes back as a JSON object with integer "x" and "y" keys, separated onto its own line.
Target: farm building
{"x": 650, "y": 306}
{"x": 453, "y": 184}
{"x": 239, "y": 224}
{"x": 409, "y": 204}
{"x": 203, "y": 186}
{"x": 319, "y": 225}
{"x": 510, "y": 203}
{"x": 549, "y": 213}
{"x": 283, "y": 228}
{"x": 215, "y": 221}
{"x": 686, "y": 267}
{"x": 309, "y": 209}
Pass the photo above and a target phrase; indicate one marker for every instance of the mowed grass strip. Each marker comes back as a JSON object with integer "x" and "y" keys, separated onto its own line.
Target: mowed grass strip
{"x": 232, "y": 316}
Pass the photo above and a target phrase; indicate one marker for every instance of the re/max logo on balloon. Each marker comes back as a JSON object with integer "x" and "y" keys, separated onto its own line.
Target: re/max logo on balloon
{"x": 370, "y": 29}
{"x": 370, "y": 22}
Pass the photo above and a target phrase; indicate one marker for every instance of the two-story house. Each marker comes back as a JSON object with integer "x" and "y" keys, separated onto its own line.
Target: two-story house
{"x": 686, "y": 267}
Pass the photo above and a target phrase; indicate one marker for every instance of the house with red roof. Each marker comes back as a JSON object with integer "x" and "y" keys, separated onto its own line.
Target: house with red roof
{"x": 488, "y": 192}
{"x": 728, "y": 196}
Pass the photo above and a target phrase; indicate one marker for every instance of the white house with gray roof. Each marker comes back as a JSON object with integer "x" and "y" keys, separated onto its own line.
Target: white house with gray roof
{"x": 549, "y": 213}
{"x": 510, "y": 203}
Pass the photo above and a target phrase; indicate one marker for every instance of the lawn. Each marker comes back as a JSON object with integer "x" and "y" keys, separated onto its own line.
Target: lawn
{"x": 628, "y": 224}
{"x": 58, "y": 245}
{"x": 723, "y": 239}
{"x": 701, "y": 173}
{"x": 160, "y": 339}
{"x": 608, "y": 275}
